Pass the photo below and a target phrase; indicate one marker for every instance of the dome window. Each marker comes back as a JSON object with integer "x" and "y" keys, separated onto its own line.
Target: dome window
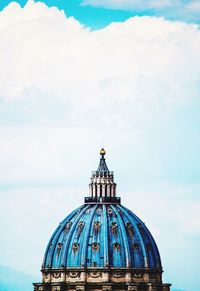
{"x": 95, "y": 246}
{"x": 68, "y": 225}
{"x": 75, "y": 247}
{"x": 114, "y": 227}
{"x": 110, "y": 212}
{"x": 60, "y": 245}
{"x": 116, "y": 246}
{"x": 81, "y": 224}
{"x": 136, "y": 246}
{"x": 128, "y": 224}
{"x": 97, "y": 225}
{"x": 129, "y": 227}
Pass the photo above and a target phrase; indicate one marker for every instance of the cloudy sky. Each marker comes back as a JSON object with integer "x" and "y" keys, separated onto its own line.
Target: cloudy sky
{"x": 79, "y": 75}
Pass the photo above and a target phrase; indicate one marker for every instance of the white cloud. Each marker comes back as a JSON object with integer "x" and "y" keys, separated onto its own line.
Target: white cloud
{"x": 65, "y": 91}
{"x": 53, "y": 54}
{"x": 193, "y": 6}
{"x": 132, "y": 4}
{"x": 130, "y": 79}
{"x": 138, "y": 80}
{"x": 175, "y": 9}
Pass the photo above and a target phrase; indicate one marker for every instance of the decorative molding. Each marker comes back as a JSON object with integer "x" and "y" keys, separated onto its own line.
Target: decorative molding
{"x": 95, "y": 274}
{"x": 137, "y": 275}
{"x": 57, "y": 275}
{"x": 73, "y": 274}
{"x": 118, "y": 274}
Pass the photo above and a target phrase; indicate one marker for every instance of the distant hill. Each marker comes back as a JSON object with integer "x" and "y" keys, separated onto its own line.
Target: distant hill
{"x": 12, "y": 280}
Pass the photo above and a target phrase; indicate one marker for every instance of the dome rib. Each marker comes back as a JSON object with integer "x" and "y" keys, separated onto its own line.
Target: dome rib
{"x": 147, "y": 234}
{"x": 86, "y": 237}
{"x": 126, "y": 212}
{"x": 69, "y": 256}
{"x": 152, "y": 243}
{"x": 124, "y": 236}
{"x": 105, "y": 229}
{"x": 69, "y": 238}
{"x": 54, "y": 238}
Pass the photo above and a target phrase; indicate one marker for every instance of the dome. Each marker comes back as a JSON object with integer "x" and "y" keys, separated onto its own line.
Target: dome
{"x": 102, "y": 245}
{"x": 102, "y": 236}
{"x": 102, "y": 233}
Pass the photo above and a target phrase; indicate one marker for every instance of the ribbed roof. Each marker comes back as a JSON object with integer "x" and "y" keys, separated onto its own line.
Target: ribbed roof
{"x": 102, "y": 236}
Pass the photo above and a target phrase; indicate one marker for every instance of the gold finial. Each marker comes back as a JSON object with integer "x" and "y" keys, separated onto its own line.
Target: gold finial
{"x": 102, "y": 152}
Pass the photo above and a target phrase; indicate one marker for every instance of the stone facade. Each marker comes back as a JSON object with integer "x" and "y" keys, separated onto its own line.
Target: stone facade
{"x": 101, "y": 280}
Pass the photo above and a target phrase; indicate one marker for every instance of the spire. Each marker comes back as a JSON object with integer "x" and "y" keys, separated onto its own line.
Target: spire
{"x": 102, "y": 168}
{"x": 102, "y": 185}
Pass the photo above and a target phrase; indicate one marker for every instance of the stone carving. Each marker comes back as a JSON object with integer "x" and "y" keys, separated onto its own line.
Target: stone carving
{"x": 95, "y": 274}
{"x": 137, "y": 275}
{"x": 73, "y": 274}
{"x": 57, "y": 275}
{"x": 118, "y": 274}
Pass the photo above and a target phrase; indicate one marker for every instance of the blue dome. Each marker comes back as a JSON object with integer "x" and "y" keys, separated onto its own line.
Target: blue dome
{"x": 102, "y": 235}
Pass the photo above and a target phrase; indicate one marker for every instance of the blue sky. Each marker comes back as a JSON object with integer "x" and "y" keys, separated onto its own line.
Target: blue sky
{"x": 97, "y": 14}
{"x": 97, "y": 75}
{"x": 91, "y": 16}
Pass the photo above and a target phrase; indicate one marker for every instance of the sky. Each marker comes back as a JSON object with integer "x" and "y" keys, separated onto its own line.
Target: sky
{"x": 80, "y": 75}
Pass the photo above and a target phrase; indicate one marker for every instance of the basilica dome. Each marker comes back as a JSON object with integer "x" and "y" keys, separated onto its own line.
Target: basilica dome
{"x": 101, "y": 236}
{"x": 102, "y": 245}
